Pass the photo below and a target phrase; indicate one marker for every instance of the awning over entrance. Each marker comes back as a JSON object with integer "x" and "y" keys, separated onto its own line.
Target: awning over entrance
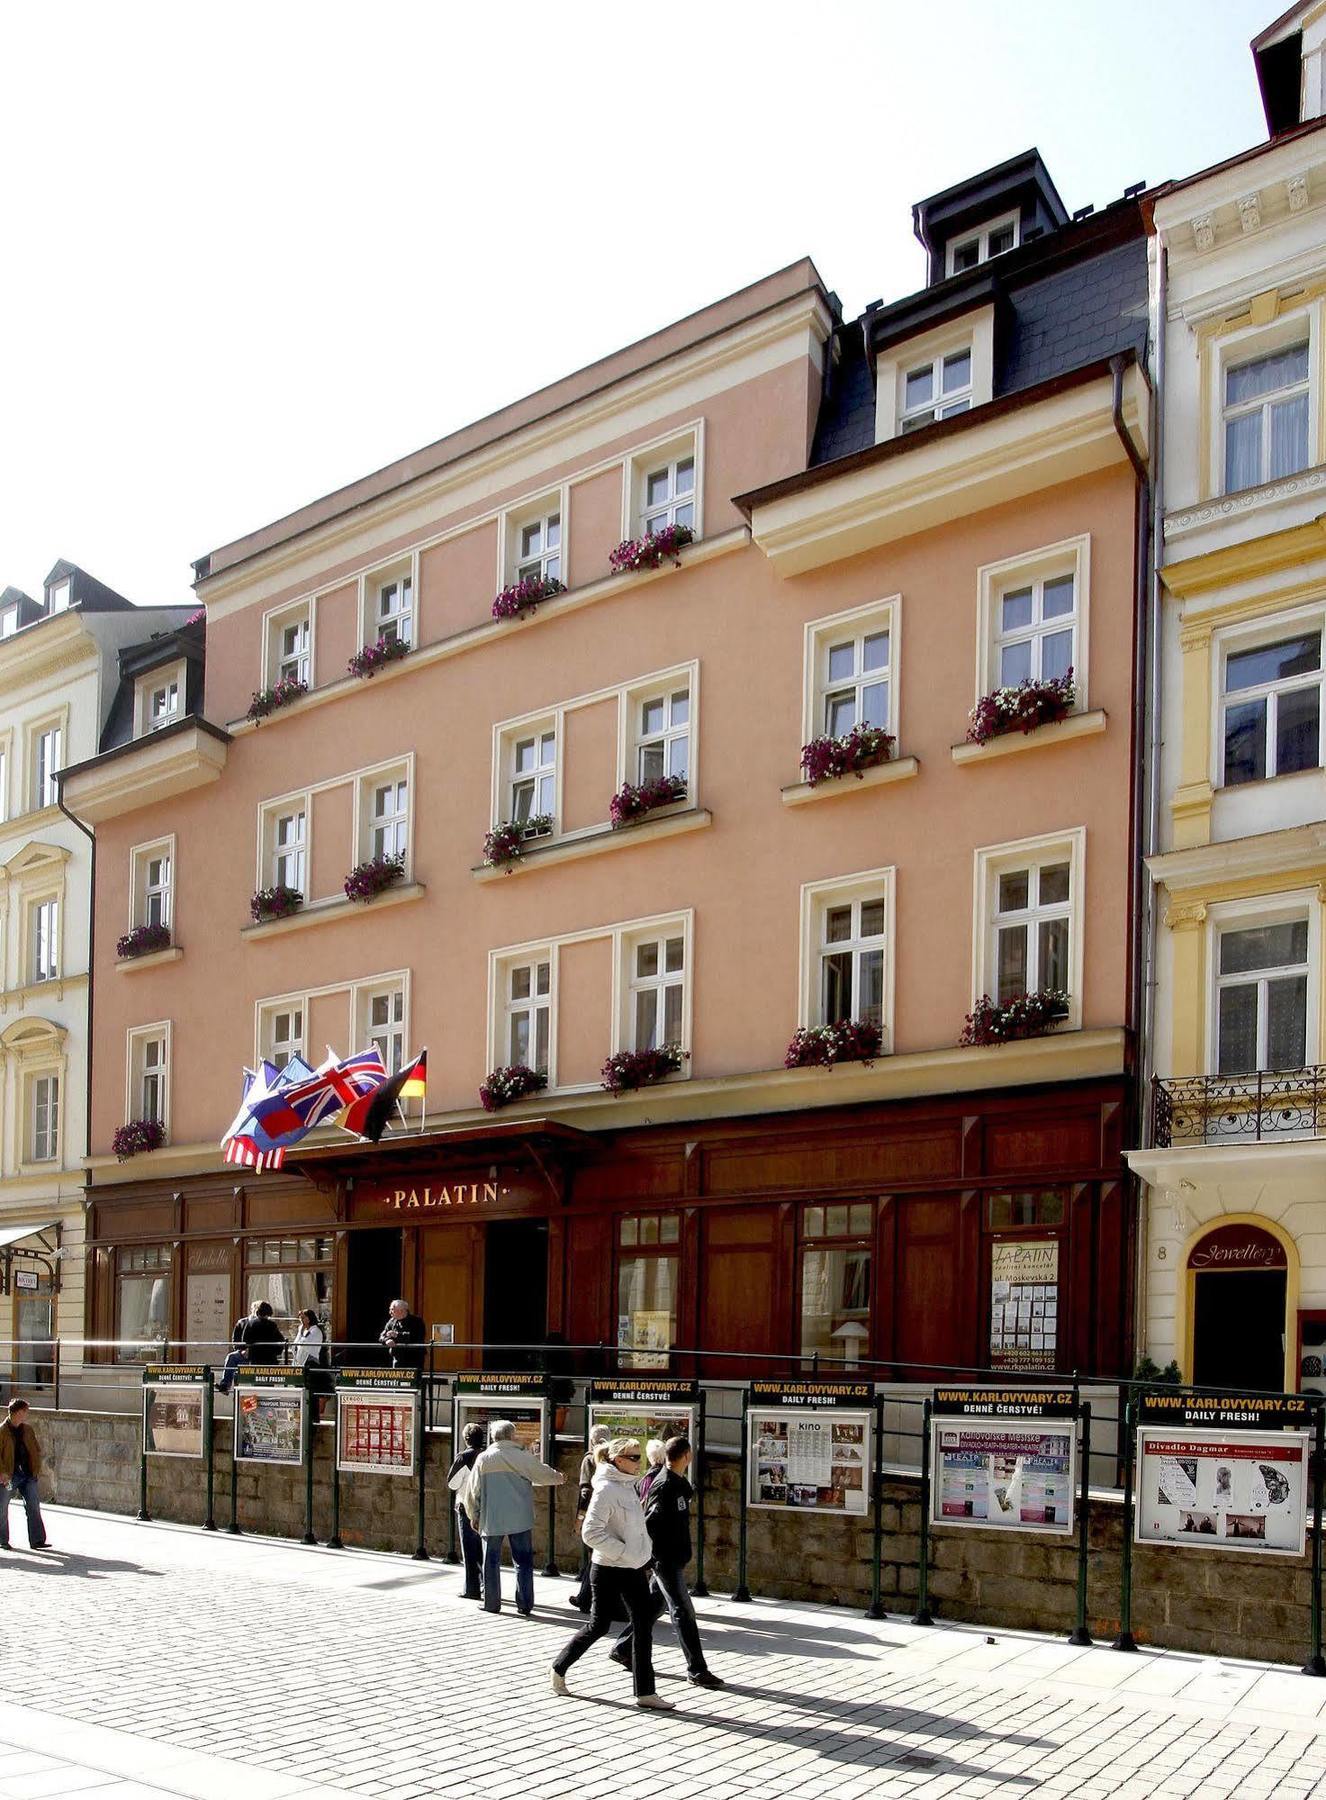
{"x": 546, "y": 1145}
{"x": 44, "y": 1236}
{"x": 38, "y": 1244}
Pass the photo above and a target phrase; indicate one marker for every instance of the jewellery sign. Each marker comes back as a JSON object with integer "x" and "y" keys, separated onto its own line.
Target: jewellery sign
{"x": 1024, "y": 1303}
{"x": 1003, "y": 1458}
{"x": 645, "y": 1409}
{"x": 1228, "y": 1470}
{"x": 377, "y": 1421}
{"x": 270, "y": 1415}
{"x": 173, "y": 1409}
{"x": 519, "y": 1396}
{"x": 808, "y": 1445}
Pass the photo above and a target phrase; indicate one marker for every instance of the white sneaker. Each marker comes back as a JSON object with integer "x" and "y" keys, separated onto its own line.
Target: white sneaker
{"x": 656, "y": 1703}
{"x": 559, "y": 1683}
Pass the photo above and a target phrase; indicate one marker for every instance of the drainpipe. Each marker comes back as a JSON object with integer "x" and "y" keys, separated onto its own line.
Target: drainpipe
{"x": 91, "y": 962}
{"x": 1139, "y": 889}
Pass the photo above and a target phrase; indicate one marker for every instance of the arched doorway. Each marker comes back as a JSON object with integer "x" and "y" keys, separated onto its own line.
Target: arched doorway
{"x": 1238, "y": 1276}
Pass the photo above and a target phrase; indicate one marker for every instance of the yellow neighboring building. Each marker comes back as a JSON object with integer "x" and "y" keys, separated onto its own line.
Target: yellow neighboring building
{"x": 1232, "y": 1273}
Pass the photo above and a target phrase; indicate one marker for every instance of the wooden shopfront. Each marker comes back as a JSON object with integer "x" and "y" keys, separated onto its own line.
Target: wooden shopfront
{"x": 990, "y": 1231}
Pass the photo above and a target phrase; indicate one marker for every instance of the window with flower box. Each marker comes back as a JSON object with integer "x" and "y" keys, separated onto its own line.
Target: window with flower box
{"x": 663, "y": 735}
{"x": 1030, "y": 903}
{"x": 656, "y": 984}
{"x": 152, "y": 883}
{"x": 539, "y": 548}
{"x": 836, "y": 1241}
{"x": 288, "y": 655}
{"x": 388, "y": 814}
{"x": 648, "y": 1270}
{"x": 851, "y": 664}
{"x": 847, "y": 951}
{"x": 393, "y": 609}
{"x": 1271, "y": 703}
{"x": 663, "y": 482}
{"x": 527, "y": 1013}
{"x": 1032, "y": 622}
{"x": 148, "y": 1084}
{"x": 288, "y": 845}
{"x": 532, "y": 774}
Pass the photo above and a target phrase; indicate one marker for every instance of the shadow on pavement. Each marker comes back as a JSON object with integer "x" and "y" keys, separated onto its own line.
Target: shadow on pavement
{"x": 71, "y": 1562}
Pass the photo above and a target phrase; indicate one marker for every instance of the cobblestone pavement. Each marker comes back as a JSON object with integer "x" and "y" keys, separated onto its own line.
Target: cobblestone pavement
{"x": 142, "y": 1660}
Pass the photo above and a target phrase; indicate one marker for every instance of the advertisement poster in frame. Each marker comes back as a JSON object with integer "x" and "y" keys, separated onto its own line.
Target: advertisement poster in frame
{"x": 1004, "y": 1459}
{"x": 479, "y": 1398}
{"x": 174, "y": 1410}
{"x": 271, "y": 1416}
{"x": 809, "y": 1446}
{"x": 1208, "y": 1487}
{"x": 635, "y": 1406}
{"x": 377, "y": 1421}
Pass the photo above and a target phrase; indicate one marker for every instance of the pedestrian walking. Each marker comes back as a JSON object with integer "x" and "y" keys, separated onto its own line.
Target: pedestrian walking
{"x": 668, "y": 1522}
{"x": 471, "y": 1544}
{"x": 403, "y": 1336}
{"x": 499, "y": 1498}
{"x": 263, "y": 1343}
{"x": 615, "y": 1531}
{"x": 653, "y": 1467}
{"x": 598, "y": 1434}
{"x": 20, "y": 1465}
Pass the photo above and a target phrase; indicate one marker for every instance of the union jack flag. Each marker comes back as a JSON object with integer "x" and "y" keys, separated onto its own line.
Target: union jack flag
{"x": 332, "y": 1085}
{"x": 251, "y": 1141}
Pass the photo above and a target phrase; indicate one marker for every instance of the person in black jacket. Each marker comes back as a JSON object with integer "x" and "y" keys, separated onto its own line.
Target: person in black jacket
{"x": 471, "y": 1543}
{"x": 668, "y": 1522}
{"x": 263, "y": 1341}
{"x": 403, "y": 1335}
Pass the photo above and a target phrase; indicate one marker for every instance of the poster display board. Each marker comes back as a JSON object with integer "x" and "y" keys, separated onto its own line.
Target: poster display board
{"x": 377, "y": 1421}
{"x": 809, "y": 1445}
{"x": 1024, "y": 1304}
{"x": 1223, "y": 1470}
{"x": 523, "y": 1398}
{"x": 173, "y": 1409}
{"x": 271, "y": 1415}
{"x": 1003, "y": 1459}
{"x": 634, "y": 1406}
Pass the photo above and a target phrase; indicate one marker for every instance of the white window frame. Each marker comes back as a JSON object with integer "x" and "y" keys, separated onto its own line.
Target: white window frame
{"x": 1242, "y": 915}
{"x": 509, "y": 735}
{"x": 32, "y": 1146}
{"x": 513, "y": 521}
{"x": 141, "y": 888}
{"x": 269, "y": 1011}
{"x": 944, "y": 403}
{"x": 993, "y": 860}
{"x": 34, "y": 908}
{"x": 160, "y": 682}
{"x": 631, "y": 738}
{"x": 504, "y": 1007}
{"x": 1071, "y": 556}
{"x": 137, "y": 1041}
{"x": 820, "y": 635}
{"x": 647, "y": 459}
{"x": 372, "y": 582}
{"x": 6, "y": 762}
{"x": 365, "y": 825}
{"x": 817, "y": 898}
{"x": 1246, "y": 345}
{"x": 57, "y": 598}
{"x": 43, "y": 793}
{"x": 973, "y": 331}
{"x": 269, "y": 815}
{"x": 1232, "y": 641}
{"x": 395, "y": 987}
{"x": 274, "y": 624}
{"x": 626, "y": 985}
{"x": 9, "y": 621}
{"x": 1262, "y": 405}
{"x": 981, "y": 235}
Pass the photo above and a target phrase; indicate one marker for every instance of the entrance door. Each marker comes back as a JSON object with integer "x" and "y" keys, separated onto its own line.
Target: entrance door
{"x": 1238, "y": 1329}
{"x": 372, "y": 1282}
{"x": 34, "y": 1328}
{"x": 515, "y": 1291}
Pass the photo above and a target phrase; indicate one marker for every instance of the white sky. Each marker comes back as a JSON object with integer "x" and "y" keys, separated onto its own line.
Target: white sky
{"x": 249, "y": 252}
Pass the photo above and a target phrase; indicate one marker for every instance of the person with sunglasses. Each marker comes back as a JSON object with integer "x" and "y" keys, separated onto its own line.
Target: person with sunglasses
{"x": 621, "y": 1552}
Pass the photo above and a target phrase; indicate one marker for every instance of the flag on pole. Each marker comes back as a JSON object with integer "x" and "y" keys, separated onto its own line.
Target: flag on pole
{"x": 367, "y": 1116}
{"x": 250, "y": 1139}
{"x": 334, "y": 1084}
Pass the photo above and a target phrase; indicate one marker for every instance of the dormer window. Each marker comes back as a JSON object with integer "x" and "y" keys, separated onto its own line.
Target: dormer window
{"x": 59, "y": 596}
{"x": 979, "y": 246}
{"x": 8, "y": 621}
{"x": 160, "y": 698}
{"x": 937, "y": 389}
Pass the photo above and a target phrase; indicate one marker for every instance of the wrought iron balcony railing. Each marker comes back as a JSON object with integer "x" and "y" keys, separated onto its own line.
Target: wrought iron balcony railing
{"x": 1239, "y": 1109}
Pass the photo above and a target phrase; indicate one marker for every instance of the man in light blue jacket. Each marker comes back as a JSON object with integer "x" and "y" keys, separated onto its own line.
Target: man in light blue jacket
{"x": 499, "y": 1501}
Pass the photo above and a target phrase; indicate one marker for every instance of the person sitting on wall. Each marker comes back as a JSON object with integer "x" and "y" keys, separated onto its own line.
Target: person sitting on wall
{"x": 238, "y": 1354}
{"x": 20, "y": 1465}
{"x": 403, "y": 1335}
{"x": 499, "y": 1497}
{"x": 263, "y": 1342}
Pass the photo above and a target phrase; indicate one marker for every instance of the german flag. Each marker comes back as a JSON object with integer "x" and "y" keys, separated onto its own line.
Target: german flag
{"x": 368, "y": 1116}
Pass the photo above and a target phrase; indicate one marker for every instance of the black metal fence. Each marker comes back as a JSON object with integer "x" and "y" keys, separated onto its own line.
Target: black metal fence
{"x": 1239, "y": 1109}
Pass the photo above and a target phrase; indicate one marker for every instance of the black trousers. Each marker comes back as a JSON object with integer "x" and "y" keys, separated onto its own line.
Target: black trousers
{"x": 668, "y": 1589}
{"x": 612, "y": 1592}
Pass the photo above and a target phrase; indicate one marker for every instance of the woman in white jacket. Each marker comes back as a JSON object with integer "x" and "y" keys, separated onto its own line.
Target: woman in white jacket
{"x": 621, "y": 1552}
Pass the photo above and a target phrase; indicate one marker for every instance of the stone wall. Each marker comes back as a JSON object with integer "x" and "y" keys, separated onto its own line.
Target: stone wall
{"x": 1186, "y": 1599}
